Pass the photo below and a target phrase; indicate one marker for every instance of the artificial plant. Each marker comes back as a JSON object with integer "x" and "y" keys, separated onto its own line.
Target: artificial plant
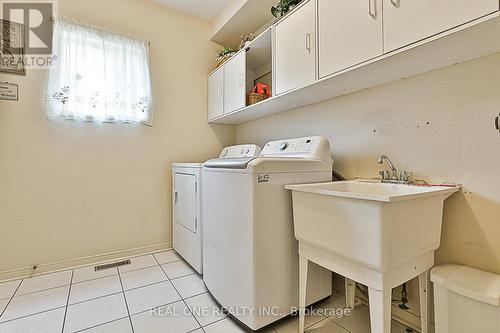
{"x": 283, "y": 7}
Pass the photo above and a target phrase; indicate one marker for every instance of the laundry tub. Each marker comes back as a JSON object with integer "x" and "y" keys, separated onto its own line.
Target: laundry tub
{"x": 466, "y": 300}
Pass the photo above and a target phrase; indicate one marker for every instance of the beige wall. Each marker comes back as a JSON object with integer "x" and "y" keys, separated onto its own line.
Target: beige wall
{"x": 74, "y": 189}
{"x": 438, "y": 125}
{"x": 225, "y": 14}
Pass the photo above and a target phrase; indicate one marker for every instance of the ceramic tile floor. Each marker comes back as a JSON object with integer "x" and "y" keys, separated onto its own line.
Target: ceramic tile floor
{"x": 155, "y": 293}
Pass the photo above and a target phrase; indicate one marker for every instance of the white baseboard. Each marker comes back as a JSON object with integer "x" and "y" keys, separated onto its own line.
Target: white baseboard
{"x": 24, "y": 272}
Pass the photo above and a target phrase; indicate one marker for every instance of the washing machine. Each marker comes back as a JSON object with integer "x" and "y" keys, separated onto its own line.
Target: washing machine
{"x": 250, "y": 253}
{"x": 187, "y": 183}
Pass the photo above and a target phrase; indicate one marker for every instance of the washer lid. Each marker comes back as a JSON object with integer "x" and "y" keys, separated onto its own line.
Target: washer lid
{"x": 469, "y": 282}
{"x": 229, "y": 163}
{"x": 240, "y": 151}
{"x": 188, "y": 165}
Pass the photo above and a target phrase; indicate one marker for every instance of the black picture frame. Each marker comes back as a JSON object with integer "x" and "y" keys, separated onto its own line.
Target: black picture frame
{"x": 12, "y": 46}
{"x": 4, "y": 88}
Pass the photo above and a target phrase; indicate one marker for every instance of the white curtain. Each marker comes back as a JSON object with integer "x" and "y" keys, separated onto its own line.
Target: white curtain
{"x": 98, "y": 76}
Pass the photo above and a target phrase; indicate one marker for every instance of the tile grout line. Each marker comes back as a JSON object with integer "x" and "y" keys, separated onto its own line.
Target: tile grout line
{"x": 95, "y": 298}
{"x": 42, "y": 290}
{"x": 85, "y": 266}
{"x": 338, "y": 324}
{"x": 32, "y": 314}
{"x": 169, "y": 303}
{"x": 193, "y": 296}
{"x": 159, "y": 306}
{"x": 70, "y": 287}
{"x": 125, "y": 299}
{"x": 64, "y": 285}
{"x": 168, "y": 277}
{"x": 67, "y": 301}
{"x": 140, "y": 269}
{"x": 331, "y": 321}
{"x": 146, "y": 285}
{"x": 82, "y": 281}
{"x": 11, "y": 298}
{"x": 99, "y": 325}
{"x": 215, "y": 322}
{"x": 104, "y": 277}
{"x": 182, "y": 276}
{"x": 93, "y": 279}
{"x": 91, "y": 299}
{"x": 123, "y": 291}
{"x": 182, "y": 298}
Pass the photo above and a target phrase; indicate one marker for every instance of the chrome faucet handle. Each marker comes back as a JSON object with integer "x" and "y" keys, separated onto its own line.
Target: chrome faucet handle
{"x": 384, "y": 175}
{"x": 405, "y": 176}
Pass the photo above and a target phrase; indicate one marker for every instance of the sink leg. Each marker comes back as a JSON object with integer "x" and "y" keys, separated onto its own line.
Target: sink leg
{"x": 350, "y": 293}
{"x": 303, "y": 267}
{"x": 424, "y": 301}
{"x": 380, "y": 310}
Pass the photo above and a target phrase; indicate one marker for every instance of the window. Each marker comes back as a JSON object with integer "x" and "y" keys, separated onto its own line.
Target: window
{"x": 98, "y": 76}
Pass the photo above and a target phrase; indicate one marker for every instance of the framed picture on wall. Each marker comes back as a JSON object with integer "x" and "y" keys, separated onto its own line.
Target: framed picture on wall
{"x": 12, "y": 48}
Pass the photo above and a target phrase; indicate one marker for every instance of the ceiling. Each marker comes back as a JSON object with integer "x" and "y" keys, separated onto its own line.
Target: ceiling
{"x": 205, "y": 9}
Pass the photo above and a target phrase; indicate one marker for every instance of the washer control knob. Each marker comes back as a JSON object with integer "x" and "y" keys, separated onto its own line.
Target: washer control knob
{"x": 224, "y": 153}
{"x": 247, "y": 151}
{"x": 283, "y": 146}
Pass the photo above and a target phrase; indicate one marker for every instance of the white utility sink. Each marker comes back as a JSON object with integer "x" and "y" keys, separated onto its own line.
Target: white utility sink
{"x": 375, "y": 191}
{"x": 378, "y": 234}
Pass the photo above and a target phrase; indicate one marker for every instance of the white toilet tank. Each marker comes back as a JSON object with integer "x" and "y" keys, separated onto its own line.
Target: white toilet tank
{"x": 466, "y": 300}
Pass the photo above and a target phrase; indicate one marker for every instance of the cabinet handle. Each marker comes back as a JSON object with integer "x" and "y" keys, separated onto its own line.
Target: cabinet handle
{"x": 396, "y": 3}
{"x": 241, "y": 79}
{"x": 372, "y": 8}
{"x": 176, "y": 197}
{"x": 308, "y": 42}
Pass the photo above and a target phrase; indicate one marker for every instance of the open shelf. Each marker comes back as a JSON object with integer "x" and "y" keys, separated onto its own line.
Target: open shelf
{"x": 259, "y": 61}
{"x": 470, "y": 41}
{"x": 259, "y": 52}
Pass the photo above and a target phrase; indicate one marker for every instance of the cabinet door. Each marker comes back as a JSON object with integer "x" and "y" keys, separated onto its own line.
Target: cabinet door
{"x": 350, "y": 32}
{"x": 408, "y": 21}
{"x": 295, "y": 49}
{"x": 185, "y": 201}
{"x": 234, "y": 83}
{"x": 216, "y": 94}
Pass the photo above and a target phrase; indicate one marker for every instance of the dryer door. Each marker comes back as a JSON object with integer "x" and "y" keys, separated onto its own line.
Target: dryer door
{"x": 185, "y": 201}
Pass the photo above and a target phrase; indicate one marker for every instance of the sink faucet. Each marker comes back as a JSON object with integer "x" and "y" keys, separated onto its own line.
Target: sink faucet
{"x": 403, "y": 178}
{"x": 381, "y": 160}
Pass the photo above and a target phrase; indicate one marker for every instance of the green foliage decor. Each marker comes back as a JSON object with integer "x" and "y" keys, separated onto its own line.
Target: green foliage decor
{"x": 283, "y": 7}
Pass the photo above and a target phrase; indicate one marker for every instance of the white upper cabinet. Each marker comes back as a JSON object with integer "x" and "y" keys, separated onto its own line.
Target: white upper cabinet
{"x": 295, "y": 49}
{"x": 235, "y": 83}
{"x": 408, "y": 21}
{"x": 216, "y": 94}
{"x": 350, "y": 32}
{"x": 328, "y": 48}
